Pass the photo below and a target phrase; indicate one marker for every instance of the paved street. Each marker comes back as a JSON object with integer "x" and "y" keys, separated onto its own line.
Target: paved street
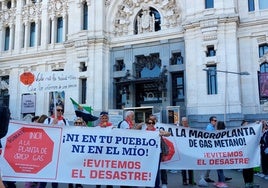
{"x": 175, "y": 180}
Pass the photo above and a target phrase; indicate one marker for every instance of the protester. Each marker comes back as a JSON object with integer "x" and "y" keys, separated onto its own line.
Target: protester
{"x": 59, "y": 120}
{"x": 129, "y": 121}
{"x": 212, "y": 127}
{"x": 150, "y": 124}
{"x": 221, "y": 178}
{"x": 104, "y": 120}
{"x": 80, "y": 122}
{"x": 163, "y": 172}
{"x": 248, "y": 173}
{"x": 185, "y": 123}
{"x": 104, "y": 123}
{"x": 264, "y": 149}
{"x": 4, "y": 122}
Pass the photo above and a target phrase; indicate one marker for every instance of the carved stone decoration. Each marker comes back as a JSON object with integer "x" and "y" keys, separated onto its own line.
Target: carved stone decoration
{"x": 107, "y": 3}
{"x": 264, "y": 58}
{"x": 4, "y": 85}
{"x": 125, "y": 17}
{"x": 32, "y": 12}
{"x": 8, "y": 16}
{"x": 146, "y": 21}
{"x": 146, "y": 61}
{"x": 57, "y": 7}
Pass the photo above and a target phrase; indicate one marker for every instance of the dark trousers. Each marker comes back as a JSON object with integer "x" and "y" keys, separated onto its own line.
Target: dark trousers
{"x": 163, "y": 176}
{"x": 248, "y": 175}
{"x": 264, "y": 163}
{"x": 10, "y": 184}
{"x": 190, "y": 176}
{"x": 44, "y": 184}
{"x": 107, "y": 186}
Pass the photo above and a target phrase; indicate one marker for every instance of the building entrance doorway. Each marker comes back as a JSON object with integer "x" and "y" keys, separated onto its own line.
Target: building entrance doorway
{"x": 148, "y": 93}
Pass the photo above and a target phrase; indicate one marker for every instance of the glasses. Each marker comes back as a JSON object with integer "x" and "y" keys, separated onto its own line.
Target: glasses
{"x": 78, "y": 123}
{"x": 59, "y": 110}
{"x": 150, "y": 123}
{"x": 214, "y": 120}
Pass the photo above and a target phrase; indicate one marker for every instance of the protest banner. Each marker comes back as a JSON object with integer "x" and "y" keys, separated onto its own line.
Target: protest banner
{"x": 49, "y": 81}
{"x": 234, "y": 148}
{"x": 84, "y": 155}
{"x": 90, "y": 155}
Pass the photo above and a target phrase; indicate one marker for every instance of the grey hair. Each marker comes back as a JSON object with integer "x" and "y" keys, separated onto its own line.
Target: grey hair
{"x": 184, "y": 119}
{"x": 128, "y": 113}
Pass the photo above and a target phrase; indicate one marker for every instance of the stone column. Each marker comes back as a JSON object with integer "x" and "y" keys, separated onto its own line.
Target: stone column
{"x": 26, "y": 35}
{"x": 64, "y": 29}
{"x": 53, "y": 30}
{"x": 37, "y": 28}
{"x": 11, "y": 37}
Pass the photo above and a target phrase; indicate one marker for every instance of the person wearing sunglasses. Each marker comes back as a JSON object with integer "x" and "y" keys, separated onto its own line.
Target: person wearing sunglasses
{"x": 80, "y": 122}
{"x": 150, "y": 126}
{"x": 57, "y": 117}
{"x": 212, "y": 127}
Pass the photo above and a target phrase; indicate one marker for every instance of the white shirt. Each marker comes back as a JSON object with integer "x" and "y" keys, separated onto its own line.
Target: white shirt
{"x": 60, "y": 122}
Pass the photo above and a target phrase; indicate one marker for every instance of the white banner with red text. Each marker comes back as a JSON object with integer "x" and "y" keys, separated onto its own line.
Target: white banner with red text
{"x": 234, "y": 148}
{"x": 83, "y": 155}
{"x": 86, "y": 155}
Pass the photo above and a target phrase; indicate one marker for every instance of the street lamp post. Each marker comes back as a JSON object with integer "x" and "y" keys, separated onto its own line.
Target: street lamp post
{"x": 226, "y": 84}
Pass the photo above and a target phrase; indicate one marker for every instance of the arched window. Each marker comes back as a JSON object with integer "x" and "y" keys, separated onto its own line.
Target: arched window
{"x": 85, "y": 16}
{"x": 59, "y": 30}
{"x": 263, "y": 48}
{"x": 147, "y": 20}
{"x": 263, "y": 81}
{"x": 7, "y": 38}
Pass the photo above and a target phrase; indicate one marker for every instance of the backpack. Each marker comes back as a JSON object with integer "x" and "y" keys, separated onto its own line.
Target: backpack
{"x": 49, "y": 119}
{"x": 4, "y": 120}
{"x": 119, "y": 124}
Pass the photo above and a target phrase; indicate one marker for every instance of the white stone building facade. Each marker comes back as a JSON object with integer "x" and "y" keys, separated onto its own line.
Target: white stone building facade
{"x": 133, "y": 53}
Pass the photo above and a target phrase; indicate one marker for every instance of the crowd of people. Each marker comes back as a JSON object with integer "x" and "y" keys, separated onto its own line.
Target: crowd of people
{"x": 128, "y": 122}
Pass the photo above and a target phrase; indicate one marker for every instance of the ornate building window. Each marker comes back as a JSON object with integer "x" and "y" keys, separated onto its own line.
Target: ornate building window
{"x": 211, "y": 51}
{"x": 263, "y": 81}
{"x": 59, "y": 30}
{"x": 119, "y": 65}
{"x": 82, "y": 67}
{"x": 85, "y": 16}
{"x": 8, "y": 4}
{"x": 83, "y": 85}
{"x": 251, "y": 6}
{"x": 23, "y": 36}
{"x": 50, "y": 32}
{"x": 176, "y": 59}
{"x": 148, "y": 20}
{"x": 209, "y": 4}
{"x": 148, "y": 66}
{"x": 4, "y": 86}
{"x": 32, "y": 34}
{"x": 7, "y": 38}
{"x": 212, "y": 80}
{"x": 177, "y": 87}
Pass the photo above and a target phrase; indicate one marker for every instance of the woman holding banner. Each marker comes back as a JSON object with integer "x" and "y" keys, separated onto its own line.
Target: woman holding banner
{"x": 150, "y": 126}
